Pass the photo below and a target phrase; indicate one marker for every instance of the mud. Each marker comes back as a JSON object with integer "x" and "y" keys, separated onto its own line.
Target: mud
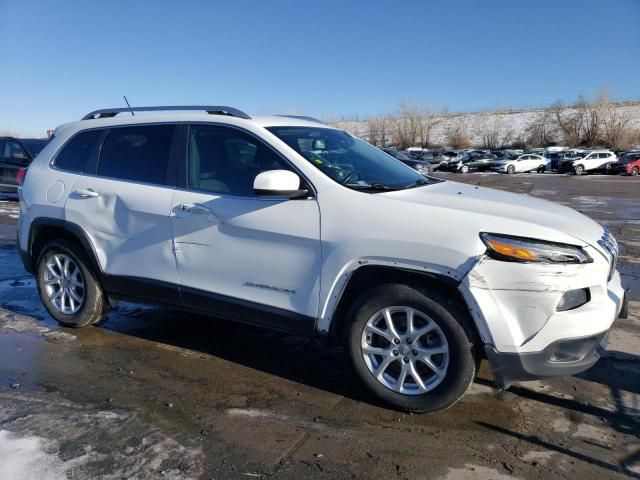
{"x": 155, "y": 393}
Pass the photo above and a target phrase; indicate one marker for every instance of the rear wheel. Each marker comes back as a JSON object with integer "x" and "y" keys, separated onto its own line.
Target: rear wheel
{"x": 67, "y": 286}
{"x": 511, "y": 169}
{"x": 464, "y": 169}
{"x": 542, "y": 169}
{"x": 579, "y": 169}
{"x": 635, "y": 171}
{"x": 411, "y": 347}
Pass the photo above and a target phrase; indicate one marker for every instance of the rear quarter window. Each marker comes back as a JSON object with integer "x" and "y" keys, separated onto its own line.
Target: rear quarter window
{"x": 78, "y": 153}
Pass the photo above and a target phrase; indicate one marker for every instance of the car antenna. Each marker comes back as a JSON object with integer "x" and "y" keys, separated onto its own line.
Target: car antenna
{"x": 127, "y": 102}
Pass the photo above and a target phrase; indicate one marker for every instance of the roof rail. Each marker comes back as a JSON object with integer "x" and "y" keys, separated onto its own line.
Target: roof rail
{"x": 210, "y": 109}
{"x": 302, "y": 117}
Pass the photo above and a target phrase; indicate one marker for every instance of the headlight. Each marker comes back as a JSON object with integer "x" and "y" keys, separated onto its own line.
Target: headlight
{"x": 519, "y": 249}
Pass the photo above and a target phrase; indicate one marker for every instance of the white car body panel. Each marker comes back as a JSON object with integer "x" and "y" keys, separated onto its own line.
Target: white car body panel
{"x": 307, "y": 249}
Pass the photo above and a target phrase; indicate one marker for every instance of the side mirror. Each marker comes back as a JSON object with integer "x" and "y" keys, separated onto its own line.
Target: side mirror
{"x": 278, "y": 183}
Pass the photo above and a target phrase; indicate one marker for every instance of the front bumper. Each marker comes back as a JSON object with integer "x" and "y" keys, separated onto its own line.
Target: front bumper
{"x": 514, "y": 306}
{"x": 561, "y": 358}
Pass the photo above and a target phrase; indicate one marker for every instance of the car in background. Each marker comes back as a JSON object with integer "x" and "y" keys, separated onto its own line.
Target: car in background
{"x": 556, "y": 158}
{"x": 15, "y": 154}
{"x": 629, "y": 162}
{"x": 593, "y": 162}
{"x": 423, "y": 168}
{"x": 473, "y": 162}
{"x": 528, "y": 162}
{"x": 436, "y": 159}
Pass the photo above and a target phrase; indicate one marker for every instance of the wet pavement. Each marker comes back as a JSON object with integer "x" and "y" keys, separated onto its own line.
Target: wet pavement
{"x": 155, "y": 393}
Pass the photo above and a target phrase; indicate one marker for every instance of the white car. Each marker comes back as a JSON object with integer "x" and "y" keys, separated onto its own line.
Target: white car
{"x": 288, "y": 223}
{"x": 595, "y": 161}
{"x": 521, "y": 163}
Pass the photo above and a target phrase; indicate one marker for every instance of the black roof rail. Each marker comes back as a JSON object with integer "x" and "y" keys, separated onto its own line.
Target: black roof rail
{"x": 302, "y": 117}
{"x": 210, "y": 109}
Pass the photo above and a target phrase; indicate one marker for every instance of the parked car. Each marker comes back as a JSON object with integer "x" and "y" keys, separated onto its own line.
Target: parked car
{"x": 424, "y": 168}
{"x": 16, "y": 153}
{"x": 628, "y": 163}
{"x": 436, "y": 159}
{"x": 521, "y": 163}
{"x": 475, "y": 162}
{"x": 556, "y": 158}
{"x": 295, "y": 225}
{"x": 590, "y": 162}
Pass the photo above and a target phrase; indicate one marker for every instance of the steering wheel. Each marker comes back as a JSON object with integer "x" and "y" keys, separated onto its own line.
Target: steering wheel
{"x": 352, "y": 176}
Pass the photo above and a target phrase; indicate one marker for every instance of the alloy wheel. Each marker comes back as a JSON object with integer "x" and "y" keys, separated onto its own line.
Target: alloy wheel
{"x": 64, "y": 284}
{"x": 405, "y": 350}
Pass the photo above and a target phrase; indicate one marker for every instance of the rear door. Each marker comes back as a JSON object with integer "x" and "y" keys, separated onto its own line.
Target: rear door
{"x": 123, "y": 205}
{"x": 238, "y": 252}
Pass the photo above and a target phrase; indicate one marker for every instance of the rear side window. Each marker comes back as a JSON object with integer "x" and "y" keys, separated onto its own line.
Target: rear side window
{"x": 78, "y": 153}
{"x": 140, "y": 153}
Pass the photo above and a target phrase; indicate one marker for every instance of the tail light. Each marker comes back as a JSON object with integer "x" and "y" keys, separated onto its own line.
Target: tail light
{"x": 22, "y": 173}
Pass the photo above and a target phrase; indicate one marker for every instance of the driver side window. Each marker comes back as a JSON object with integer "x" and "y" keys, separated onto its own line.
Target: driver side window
{"x": 226, "y": 160}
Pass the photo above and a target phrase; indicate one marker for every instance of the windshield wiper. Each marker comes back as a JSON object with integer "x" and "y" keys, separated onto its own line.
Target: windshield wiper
{"x": 375, "y": 187}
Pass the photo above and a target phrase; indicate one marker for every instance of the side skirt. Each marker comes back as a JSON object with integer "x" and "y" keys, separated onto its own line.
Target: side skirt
{"x": 208, "y": 303}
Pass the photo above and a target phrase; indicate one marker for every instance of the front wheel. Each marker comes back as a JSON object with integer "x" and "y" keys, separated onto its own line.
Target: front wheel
{"x": 411, "y": 347}
{"x": 68, "y": 287}
{"x": 464, "y": 169}
{"x": 511, "y": 169}
{"x": 635, "y": 171}
{"x": 579, "y": 169}
{"x": 542, "y": 169}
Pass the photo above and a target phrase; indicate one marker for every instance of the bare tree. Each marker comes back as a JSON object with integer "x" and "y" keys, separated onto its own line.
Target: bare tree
{"x": 428, "y": 122}
{"x": 407, "y": 124}
{"x": 541, "y": 132}
{"x": 456, "y": 134}
{"x": 614, "y": 123}
{"x": 493, "y": 131}
{"x": 378, "y": 130}
{"x": 569, "y": 121}
{"x": 592, "y": 121}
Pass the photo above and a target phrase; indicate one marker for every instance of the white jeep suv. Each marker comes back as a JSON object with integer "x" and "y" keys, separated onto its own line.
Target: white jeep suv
{"x": 288, "y": 223}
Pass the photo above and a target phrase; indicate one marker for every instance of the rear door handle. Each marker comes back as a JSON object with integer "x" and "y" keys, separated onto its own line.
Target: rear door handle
{"x": 87, "y": 193}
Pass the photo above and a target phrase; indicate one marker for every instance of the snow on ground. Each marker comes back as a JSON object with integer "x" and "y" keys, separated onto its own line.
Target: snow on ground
{"x": 10, "y": 209}
{"x": 26, "y": 458}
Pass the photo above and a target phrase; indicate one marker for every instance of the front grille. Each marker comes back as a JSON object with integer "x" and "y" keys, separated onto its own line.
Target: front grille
{"x": 610, "y": 247}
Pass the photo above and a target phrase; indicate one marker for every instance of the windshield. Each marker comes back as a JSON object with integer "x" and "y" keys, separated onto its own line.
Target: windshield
{"x": 398, "y": 155}
{"x": 34, "y": 146}
{"x": 348, "y": 160}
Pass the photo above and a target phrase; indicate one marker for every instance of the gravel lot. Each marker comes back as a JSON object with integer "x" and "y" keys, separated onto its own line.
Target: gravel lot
{"x": 152, "y": 393}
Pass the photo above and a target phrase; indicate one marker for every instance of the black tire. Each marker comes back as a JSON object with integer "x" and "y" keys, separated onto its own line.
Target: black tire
{"x": 511, "y": 169}
{"x": 464, "y": 169}
{"x": 94, "y": 305}
{"x": 578, "y": 170}
{"x": 541, "y": 169}
{"x": 635, "y": 171}
{"x": 463, "y": 358}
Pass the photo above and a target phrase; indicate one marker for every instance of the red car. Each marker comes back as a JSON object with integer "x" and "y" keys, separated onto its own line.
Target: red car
{"x": 629, "y": 163}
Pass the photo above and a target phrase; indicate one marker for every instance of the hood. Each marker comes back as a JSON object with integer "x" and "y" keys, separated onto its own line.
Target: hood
{"x": 496, "y": 211}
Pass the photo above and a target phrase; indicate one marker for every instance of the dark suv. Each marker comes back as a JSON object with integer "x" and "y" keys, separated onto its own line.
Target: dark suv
{"x": 16, "y": 153}
{"x": 424, "y": 168}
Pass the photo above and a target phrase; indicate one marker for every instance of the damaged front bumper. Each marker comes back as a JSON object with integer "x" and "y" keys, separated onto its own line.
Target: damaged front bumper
{"x": 525, "y": 336}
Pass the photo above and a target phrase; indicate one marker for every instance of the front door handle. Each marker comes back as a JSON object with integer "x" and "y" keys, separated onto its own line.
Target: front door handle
{"x": 87, "y": 193}
{"x": 198, "y": 209}
{"x": 195, "y": 208}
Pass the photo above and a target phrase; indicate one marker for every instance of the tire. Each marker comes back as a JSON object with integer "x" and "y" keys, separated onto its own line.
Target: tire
{"x": 464, "y": 169}
{"x": 452, "y": 331}
{"x": 635, "y": 171}
{"x": 66, "y": 308}
{"x": 541, "y": 169}
{"x": 511, "y": 169}
{"x": 578, "y": 170}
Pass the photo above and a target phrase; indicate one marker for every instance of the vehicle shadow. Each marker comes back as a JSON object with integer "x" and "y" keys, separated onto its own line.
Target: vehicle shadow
{"x": 620, "y": 373}
{"x": 307, "y": 360}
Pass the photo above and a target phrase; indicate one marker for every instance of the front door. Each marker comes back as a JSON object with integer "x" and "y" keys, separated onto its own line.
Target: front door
{"x": 240, "y": 254}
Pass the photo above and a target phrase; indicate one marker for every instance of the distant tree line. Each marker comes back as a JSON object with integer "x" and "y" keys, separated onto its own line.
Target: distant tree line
{"x": 582, "y": 124}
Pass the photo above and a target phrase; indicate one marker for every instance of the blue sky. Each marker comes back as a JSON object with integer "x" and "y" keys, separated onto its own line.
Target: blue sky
{"x": 61, "y": 59}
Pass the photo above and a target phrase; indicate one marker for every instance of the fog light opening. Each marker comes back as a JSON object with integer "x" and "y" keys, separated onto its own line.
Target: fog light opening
{"x": 573, "y": 299}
